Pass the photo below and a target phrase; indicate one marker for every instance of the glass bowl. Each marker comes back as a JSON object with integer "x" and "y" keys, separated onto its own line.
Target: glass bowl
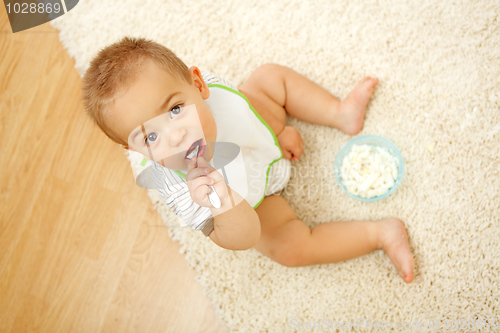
{"x": 371, "y": 140}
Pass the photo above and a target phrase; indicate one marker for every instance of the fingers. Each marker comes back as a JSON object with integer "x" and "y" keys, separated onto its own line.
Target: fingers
{"x": 197, "y": 172}
{"x": 203, "y": 169}
{"x": 293, "y": 151}
{"x": 212, "y": 172}
{"x": 286, "y": 154}
{"x": 198, "y": 188}
{"x": 201, "y": 175}
{"x": 291, "y": 143}
{"x": 201, "y": 190}
{"x": 199, "y": 162}
{"x": 200, "y": 181}
{"x": 297, "y": 151}
{"x": 204, "y": 164}
{"x": 192, "y": 164}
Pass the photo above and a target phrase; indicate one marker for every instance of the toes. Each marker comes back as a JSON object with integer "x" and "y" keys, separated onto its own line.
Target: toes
{"x": 373, "y": 82}
{"x": 365, "y": 79}
{"x": 408, "y": 277}
{"x": 369, "y": 81}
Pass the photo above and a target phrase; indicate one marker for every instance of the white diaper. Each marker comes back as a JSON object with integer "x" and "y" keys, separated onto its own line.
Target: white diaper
{"x": 279, "y": 176}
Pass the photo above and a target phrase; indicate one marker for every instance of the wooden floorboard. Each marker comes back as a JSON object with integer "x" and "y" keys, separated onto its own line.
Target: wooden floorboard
{"x": 79, "y": 252}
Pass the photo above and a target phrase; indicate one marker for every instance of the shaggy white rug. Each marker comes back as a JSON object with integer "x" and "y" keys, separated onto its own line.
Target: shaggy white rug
{"x": 438, "y": 101}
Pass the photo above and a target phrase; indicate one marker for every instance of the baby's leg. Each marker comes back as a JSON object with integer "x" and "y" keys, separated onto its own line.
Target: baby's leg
{"x": 307, "y": 101}
{"x": 288, "y": 241}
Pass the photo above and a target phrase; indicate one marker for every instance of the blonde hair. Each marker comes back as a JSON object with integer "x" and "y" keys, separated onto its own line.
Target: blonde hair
{"x": 116, "y": 68}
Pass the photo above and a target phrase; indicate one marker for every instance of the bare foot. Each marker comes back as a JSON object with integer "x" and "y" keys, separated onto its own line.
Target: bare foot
{"x": 394, "y": 241}
{"x": 351, "y": 111}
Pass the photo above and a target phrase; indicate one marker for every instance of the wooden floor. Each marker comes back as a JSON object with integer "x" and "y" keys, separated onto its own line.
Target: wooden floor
{"x": 80, "y": 250}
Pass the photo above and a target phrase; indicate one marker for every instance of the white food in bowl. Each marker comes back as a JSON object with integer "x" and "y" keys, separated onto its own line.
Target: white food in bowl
{"x": 368, "y": 171}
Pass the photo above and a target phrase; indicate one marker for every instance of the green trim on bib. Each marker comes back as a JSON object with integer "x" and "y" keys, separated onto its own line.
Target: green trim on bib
{"x": 265, "y": 124}
{"x": 180, "y": 174}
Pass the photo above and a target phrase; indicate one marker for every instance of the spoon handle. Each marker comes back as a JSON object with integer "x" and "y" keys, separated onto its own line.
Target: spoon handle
{"x": 213, "y": 197}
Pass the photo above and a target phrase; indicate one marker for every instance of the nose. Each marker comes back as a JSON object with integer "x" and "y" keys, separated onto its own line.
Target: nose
{"x": 176, "y": 135}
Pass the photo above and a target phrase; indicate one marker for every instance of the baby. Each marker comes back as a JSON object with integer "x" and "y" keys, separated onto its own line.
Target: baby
{"x": 145, "y": 98}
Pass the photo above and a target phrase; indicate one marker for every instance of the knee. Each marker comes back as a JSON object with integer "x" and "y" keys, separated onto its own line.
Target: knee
{"x": 270, "y": 68}
{"x": 289, "y": 254}
{"x": 288, "y": 260}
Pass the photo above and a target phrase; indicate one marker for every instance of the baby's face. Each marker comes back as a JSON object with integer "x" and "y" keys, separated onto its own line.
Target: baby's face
{"x": 161, "y": 116}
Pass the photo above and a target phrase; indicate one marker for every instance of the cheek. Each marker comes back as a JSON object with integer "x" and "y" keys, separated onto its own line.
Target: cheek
{"x": 207, "y": 122}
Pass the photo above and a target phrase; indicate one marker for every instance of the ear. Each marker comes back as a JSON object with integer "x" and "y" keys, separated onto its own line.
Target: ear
{"x": 198, "y": 82}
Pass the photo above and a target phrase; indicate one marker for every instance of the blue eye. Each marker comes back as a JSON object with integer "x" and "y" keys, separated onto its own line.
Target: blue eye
{"x": 176, "y": 110}
{"x": 151, "y": 138}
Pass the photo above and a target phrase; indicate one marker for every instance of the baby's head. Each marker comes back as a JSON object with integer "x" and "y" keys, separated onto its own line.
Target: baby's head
{"x": 145, "y": 98}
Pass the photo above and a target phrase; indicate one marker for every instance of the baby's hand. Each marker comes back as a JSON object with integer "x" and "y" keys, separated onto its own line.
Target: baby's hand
{"x": 199, "y": 178}
{"x": 291, "y": 143}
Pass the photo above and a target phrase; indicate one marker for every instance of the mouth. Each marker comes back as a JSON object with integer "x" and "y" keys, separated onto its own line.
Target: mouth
{"x": 194, "y": 149}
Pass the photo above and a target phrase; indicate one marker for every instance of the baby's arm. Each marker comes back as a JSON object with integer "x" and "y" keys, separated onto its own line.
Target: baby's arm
{"x": 235, "y": 227}
{"x": 236, "y": 224}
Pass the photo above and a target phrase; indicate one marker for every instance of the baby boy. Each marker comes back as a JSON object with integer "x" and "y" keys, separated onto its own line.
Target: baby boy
{"x": 145, "y": 98}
